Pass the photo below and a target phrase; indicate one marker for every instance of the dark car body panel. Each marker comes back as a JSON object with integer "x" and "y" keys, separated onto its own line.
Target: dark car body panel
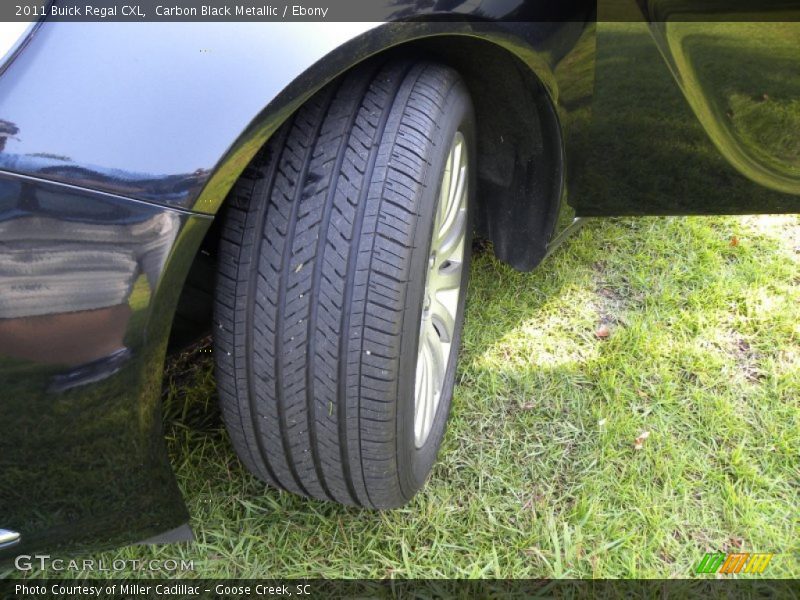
{"x": 185, "y": 143}
{"x": 87, "y": 464}
{"x": 655, "y": 136}
{"x": 146, "y": 127}
{"x": 174, "y": 144}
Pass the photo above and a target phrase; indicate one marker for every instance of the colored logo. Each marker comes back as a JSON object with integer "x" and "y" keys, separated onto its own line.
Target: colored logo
{"x": 728, "y": 564}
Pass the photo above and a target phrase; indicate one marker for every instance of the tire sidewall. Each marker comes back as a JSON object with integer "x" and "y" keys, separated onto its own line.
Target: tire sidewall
{"x": 414, "y": 464}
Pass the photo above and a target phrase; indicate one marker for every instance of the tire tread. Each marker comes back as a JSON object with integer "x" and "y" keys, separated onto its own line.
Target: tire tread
{"x": 313, "y": 269}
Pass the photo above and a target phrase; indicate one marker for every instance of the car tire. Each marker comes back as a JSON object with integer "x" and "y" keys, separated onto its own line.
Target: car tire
{"x": 330, "y": 294}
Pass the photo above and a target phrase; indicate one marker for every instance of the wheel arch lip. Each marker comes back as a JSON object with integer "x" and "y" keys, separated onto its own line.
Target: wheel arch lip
{"x": 179, "y": 134}
{"x": 379, "y": 39}
{"x": 536, "y": 209}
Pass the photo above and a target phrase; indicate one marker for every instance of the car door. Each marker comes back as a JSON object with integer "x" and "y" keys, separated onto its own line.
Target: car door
{"x": 696, "y": 111}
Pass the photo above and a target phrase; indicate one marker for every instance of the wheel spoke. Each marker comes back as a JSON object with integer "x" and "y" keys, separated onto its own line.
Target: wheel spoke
{"x": 428, "y": 408}
{"x": 443, "y": 316}
{"x": 456, "y": 173}
{"x": 453, "y": 216}
{"x": 449, "y": 243}
{"x": 445, "y": 277}
{"x": 435, "y": 350}
{"x": 421, "y": 396}
{"x": 444, "y": 194}
{"x": 430, "y": 376}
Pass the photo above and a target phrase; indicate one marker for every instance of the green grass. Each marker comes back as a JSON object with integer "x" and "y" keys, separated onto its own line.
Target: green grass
{"x": 538, "y": 475}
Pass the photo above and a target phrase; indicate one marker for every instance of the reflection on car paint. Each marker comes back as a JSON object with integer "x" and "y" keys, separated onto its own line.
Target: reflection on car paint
{"x": 86, "y": 296}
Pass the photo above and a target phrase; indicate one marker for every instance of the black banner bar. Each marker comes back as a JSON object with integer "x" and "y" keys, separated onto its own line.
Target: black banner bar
{"x": 397, "y": 10}
{"x": 708, "y": 589}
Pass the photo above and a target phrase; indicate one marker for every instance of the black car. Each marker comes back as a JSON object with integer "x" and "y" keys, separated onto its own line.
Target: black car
{"x": 309, "y": 192}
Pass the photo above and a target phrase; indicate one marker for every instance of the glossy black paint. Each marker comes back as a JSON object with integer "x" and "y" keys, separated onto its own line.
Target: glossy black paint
{"x": 86, "y": 465}
{"x": 684, "y": 106}
{"x": 181, "y": 124}
{"x": 112, "y": 132}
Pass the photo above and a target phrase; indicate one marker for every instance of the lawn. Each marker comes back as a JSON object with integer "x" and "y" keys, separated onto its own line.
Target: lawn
{"x": 540, "y": 474}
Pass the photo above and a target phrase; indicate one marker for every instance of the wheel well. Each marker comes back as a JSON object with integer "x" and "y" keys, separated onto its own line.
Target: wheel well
{"x": 520, "y": 165}
{"x": 519, "y": 145}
